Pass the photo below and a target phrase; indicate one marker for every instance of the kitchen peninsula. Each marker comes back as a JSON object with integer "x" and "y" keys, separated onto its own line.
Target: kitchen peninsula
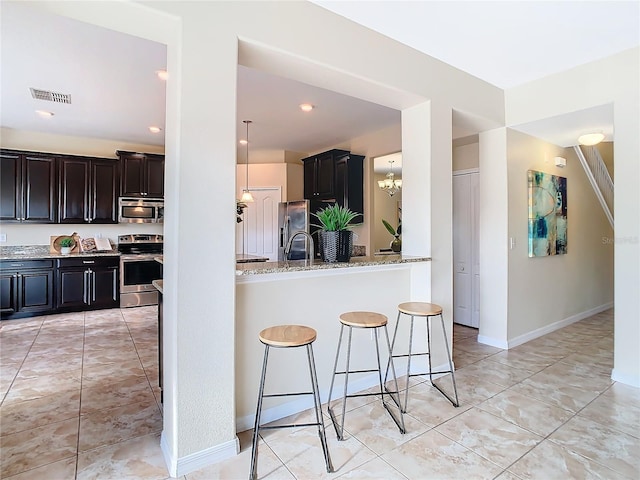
{"x": 297, "y": 292}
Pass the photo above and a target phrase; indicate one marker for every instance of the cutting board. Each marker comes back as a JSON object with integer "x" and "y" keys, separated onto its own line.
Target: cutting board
{"x": 54, "y": 243}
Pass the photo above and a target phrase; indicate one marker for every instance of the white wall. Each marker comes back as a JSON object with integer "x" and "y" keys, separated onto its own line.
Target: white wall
{"x": 27, "y": 234}
{"x": 544, "y": 291}
{"x": 466, "y": 157}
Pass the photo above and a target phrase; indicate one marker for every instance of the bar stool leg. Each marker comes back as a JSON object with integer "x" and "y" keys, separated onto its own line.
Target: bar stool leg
{"x": 318, "y": 408}
{"x": 256, "y": 427}
{"x": 399, "y": 423}
{"x": 453, "y": 377}
{"x": 340, "y": 429}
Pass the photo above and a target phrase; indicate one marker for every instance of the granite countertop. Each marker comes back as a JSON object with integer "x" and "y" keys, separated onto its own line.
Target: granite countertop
{"x": 159, "y": 284}
{"x": 35, "y": 252}
{"x": 303, "y": 265}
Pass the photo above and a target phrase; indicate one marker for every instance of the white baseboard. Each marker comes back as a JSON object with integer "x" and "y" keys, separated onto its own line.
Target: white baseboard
{"x": 514, "y": 342}
{"x": 631, "y": 380}
{"x": 195, "y": 461}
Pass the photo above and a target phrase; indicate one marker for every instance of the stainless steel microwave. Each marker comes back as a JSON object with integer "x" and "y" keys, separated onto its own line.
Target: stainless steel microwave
{"x": 140, "y": 210}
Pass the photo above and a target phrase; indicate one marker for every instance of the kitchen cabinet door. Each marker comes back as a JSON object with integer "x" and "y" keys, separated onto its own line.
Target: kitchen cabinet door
{"x": 88, "y": 190}
{"x": 142, "y": 175}
{"x": 27, "y": 288}
{"x": 88, "y": 283}
{"x": 103, "y": 191}
{"x": 73, "y": 200}
{"x": 105, "y": 291}
{"x": 28, "y": 187}
{"x": 72, "y": 288}
{"x": 349, "y": 184}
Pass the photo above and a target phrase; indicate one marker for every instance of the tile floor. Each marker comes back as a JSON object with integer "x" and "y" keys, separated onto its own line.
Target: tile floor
{"x": 544, "y": 410}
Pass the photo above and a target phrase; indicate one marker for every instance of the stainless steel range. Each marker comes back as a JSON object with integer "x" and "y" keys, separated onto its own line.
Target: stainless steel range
{"x": 138, "y": 268}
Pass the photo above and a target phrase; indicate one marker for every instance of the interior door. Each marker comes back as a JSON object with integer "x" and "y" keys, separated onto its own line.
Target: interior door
{"x": 466, "y": 277}
{"x": 258, "y": 232}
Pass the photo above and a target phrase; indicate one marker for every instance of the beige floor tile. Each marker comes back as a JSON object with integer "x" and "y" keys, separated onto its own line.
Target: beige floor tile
{"x": 60, "y": 470}
{"x": 434, "y": 456}
{"x": 29, "y": 388}
{"x": 115, "y": 394}
{"x": 120, "y": 462}
{"x": 507, "y": 475}
{"x": 39, "y": 446}
{"x": 98, "y": 374}
{"x": 373, "y": 426}
{"x": 427, "y": 405}
{"x": 8, "y": 372}
{"x": 526, "y": 412}
{"x": 301, "y": 452}
{"x": 43, "y": 366}
{"x": 489, "y": 436}
{"x": 472, "y": 389}
{"x": 374, "y": 469}
{"x": 618, "y": 408}
{"x": 563, "y": 396}
{"x": 461, "y": 359}
{"x": 114, "y": 425}
{"x": 549, "y": 461}
{"x": 495, "y": 372}
{"x": 470, "y": 345}
{"x": 523, "y": 360}
{"x": 615, "y": 450}
{"x": 19, "y": 416}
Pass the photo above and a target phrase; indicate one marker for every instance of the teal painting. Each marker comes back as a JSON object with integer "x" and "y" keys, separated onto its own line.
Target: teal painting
{"x": 547, "y": 214}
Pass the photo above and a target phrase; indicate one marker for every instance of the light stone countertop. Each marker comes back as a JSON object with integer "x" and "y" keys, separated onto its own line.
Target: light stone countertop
{"x": 159, "y": 284}
{"x": 36, "y": 252}
{"x": 303, "y": 265}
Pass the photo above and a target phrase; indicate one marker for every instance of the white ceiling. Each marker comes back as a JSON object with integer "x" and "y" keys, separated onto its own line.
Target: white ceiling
{"x": 116, "y": 95}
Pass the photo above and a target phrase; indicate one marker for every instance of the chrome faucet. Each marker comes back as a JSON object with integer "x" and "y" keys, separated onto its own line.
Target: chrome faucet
{"x": 287, "y": 249}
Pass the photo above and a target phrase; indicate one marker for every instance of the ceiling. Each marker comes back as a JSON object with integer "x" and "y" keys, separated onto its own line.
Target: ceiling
{"x": 115, "y": 93}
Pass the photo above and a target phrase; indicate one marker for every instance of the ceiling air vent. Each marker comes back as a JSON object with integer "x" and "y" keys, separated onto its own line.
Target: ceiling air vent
{"x": 50, "y": 96}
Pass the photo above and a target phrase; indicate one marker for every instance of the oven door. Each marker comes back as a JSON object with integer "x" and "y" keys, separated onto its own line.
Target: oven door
{"x": 137, "y": 271}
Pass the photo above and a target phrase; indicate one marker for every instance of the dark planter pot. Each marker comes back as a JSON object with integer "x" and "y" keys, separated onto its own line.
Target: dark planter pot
{"x": 336, "y": 246}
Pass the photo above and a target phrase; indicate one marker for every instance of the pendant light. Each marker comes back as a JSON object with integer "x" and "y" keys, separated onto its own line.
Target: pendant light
{"x": 246, "y": 194}
{"x": 390, "y": 184}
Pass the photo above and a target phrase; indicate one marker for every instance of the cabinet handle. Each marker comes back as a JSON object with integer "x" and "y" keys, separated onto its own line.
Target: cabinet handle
{"x": 115, "y": 284}
{"x": 88, "y": 262}
{"x": 93, "y": 285}
{"x": 17, "y": 264}
{"x": 84, "y": 288}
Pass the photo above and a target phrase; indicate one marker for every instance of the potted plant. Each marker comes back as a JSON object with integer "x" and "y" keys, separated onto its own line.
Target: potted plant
{"x": 335, "y": 235}
{"x": 396, "y": 243}
{"x": 66, "y": 244}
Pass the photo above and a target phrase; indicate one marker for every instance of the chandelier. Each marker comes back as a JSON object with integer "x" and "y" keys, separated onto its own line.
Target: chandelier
{"x": 390, "y": 184}
{"x": 246, "y": 194}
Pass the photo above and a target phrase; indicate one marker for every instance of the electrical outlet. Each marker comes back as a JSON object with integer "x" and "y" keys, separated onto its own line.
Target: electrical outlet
{"x": 3, "y": 237}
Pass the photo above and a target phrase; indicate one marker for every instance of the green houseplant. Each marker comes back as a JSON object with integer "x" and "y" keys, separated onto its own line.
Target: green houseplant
{"x": 396, "y": 244}
{"x": 335, "y": 234}
{"x": 66, "y": 244}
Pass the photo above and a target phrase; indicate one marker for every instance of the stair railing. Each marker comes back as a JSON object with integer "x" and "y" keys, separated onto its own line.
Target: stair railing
{"x": 598, "y": 176}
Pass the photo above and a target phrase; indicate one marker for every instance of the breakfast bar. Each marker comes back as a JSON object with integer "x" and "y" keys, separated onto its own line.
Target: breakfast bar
{"x": 301, "y": 293}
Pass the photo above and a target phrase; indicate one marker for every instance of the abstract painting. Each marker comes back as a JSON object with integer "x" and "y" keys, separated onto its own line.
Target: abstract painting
{"x": 547, "y": 214}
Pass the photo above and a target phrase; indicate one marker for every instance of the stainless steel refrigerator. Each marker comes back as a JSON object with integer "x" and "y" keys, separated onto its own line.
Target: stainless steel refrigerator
{"x": 292, "y": 217}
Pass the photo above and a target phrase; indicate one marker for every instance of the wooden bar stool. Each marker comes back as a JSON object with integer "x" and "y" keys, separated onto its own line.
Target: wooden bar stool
{"x": 289, "y": 336}
{"x": 425, "y": 310}
{"x": 364, "y": 320}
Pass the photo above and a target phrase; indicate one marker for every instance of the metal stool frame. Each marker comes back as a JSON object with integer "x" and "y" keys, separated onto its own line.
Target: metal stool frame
{"x": 317, "y": 408}
{"x": 431, "y": 373}
{"x": 340, "y": 430}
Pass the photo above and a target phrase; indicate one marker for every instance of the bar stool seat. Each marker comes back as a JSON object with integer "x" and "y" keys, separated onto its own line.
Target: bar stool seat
{"x": 289, "y": 336}
{"x": 427, "y": 311}
{"x": 362, "y": 320}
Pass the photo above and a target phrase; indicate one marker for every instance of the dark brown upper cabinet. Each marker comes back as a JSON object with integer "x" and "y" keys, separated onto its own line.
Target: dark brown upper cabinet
{"x": 142, "y": 174}
{"x": 28, "y": 187}
{"x": 88, "y": 190}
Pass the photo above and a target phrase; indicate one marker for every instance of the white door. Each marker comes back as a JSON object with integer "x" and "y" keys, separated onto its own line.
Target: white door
{"x": 466, "y": 276}
{"x": 257, "y": 233}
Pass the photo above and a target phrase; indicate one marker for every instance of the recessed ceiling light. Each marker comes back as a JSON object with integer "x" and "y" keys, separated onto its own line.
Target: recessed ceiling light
{"x": 591, "y": 138}
{"x": 155, "y": 129}
{"x": 306, "y": 107}
{"x": 162, "y": 74}
{"x": 45, "y": 113}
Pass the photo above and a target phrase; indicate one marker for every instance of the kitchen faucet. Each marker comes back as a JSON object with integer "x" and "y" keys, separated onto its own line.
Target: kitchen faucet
{"x": 287, "y": 249}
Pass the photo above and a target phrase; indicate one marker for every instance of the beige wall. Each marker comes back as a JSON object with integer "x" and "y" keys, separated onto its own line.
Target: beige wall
{"x": 544, "y": 291}
{"x": 466, "y": 157}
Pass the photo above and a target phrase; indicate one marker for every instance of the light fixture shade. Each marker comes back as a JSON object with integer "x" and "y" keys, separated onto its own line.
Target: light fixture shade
{"x": 591, "y": 138}
{"x": 390, "y": 184}
{"x": 246, "y": 197}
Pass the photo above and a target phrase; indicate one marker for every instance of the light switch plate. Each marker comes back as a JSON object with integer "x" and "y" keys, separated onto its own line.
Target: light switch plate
{"x": 3, "y": 237}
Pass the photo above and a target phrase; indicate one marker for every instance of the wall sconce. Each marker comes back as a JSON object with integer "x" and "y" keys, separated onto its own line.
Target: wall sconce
{"x": 560, "y": 162}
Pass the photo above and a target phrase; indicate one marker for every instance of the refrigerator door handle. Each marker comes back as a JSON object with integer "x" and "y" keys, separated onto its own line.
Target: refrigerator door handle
{"x": 285, "y": 237}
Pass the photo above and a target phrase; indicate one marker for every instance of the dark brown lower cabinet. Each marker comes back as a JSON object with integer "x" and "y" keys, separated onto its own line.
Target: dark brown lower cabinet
{"x": 87, "y": 283}
{"x": 26, "y": 288}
